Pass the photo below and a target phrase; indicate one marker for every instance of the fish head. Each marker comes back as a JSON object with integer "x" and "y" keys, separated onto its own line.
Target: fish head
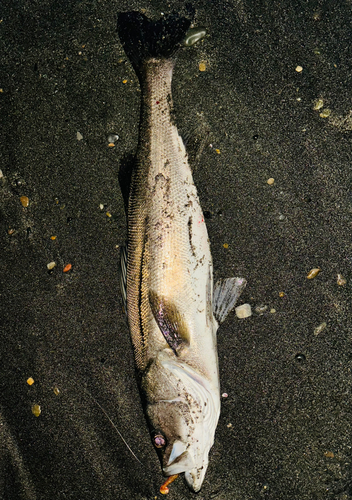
{"x": 183, "y": 418}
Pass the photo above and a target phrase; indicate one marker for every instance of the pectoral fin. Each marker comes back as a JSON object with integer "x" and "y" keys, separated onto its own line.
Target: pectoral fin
{"x": 169, "y": 321}
{"x": 225, "y": 296}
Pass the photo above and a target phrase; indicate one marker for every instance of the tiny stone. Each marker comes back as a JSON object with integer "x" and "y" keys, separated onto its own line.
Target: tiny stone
{"x": 313, "y": 273}
{"x": 300, "y": 358}
{"x": 243, "y": 311}
{"x": 270, "y": 181}
{"x": 329, "y": 454}
{"x": 273, "y": 311}
{"x": 36, "y": 410}
{"x": 108, "y": 214}
{"x": 202, "y": 66}
{"x": 1, "y": 174}
{"x": 281, "y": 294}
{"x": 79, "y": 136}
{"x": 30, "y": 381}
{"x": 341, "y": 280}
{"x": 318, "y": 104}
{"x": 299, "y": 69}
{"x": 229, "y": 426}
{"x": 319, "y": 328}
{"x": 226, "y": 245}
{"x": 24, "y": 201}
{"x": 112, "y": 138}
{"x": 53, "y": 238}
{"x": 51, "y": 265}
{"x": 56, "y": 391}
{"x": 224, "y": 395}
{"x": 325, "y": 113}
{"x": 101, "y": 206}
{"x": 281, "y": 217}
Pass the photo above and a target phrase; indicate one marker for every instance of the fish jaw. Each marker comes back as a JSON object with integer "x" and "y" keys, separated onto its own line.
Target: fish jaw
{"x": 195, "y": 477}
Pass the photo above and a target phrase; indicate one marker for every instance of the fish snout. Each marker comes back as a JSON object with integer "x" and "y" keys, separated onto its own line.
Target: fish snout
{"x": 195, "y": 477}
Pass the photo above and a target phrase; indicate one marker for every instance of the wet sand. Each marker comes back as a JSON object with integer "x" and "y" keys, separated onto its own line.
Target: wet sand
{"x": 285, "y": 427}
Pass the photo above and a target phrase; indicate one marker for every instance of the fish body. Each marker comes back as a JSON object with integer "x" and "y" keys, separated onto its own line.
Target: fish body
{"x": 169, "y": 270}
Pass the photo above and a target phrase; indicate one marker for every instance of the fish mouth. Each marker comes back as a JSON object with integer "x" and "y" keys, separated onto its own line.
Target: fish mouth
{"x": 195, "y": 477}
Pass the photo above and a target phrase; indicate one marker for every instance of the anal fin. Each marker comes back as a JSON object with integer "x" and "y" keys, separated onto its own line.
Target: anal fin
{"x": 225, "y": 295}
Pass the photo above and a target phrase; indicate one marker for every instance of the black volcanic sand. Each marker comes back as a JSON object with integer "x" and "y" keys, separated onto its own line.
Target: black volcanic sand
{"x": 285, "y": 427}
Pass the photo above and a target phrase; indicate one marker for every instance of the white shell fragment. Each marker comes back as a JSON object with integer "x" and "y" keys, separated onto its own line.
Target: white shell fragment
{"x": 243, "y": 311}
{"x": 79, "y": 136}
{"x": 51, "y": 265}
{"x": 319, "y": 328}
{"x": 193, "y": 35}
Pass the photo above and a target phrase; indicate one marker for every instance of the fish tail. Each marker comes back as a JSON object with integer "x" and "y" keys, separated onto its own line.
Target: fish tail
{"x": 144, "y": 39}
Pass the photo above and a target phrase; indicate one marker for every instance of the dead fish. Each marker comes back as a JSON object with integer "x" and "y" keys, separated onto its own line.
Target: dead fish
{"x": 167, "y": 272}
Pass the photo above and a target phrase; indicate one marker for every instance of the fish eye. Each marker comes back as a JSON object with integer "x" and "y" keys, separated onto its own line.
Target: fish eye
{"x": 159, "y": 440}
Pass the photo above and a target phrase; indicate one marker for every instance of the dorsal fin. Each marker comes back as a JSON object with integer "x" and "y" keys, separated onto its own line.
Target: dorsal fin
{"x": 169, "y": 321}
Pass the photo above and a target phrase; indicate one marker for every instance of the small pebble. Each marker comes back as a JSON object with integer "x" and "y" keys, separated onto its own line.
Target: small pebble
{"x": 193, "y": 35}
{"x": 36, "y": 410}
{"x": 226, "y": 245}
{"x": 53, "y": 238}
{"x": 202, "y": 66}
{"x": 300, "y": 358}
{"x": 299, "y": 69}
{"x": 313, "y": 273}
{"x": 108, "y": 214}
{"x": 111, "y": 145}
{"x": 67, "y": 268}
{"x": 124, "y": 81}
{"x": 1, "y": 174}
{"x": 101, "y": 206}
{"x": 329, "y": 454}
{"x": 270, "y": 181}
{"x": 56, "y": 391}
{"x": 320, "y": 328}
{"x": 281, "y": 294}
{"x": 24, "y": 201}
{"x": 229, "y": 426}
{"x": 273, "y": 311}
{"x": 318, "y": 104}
{"x": 217, "y": 151}
{"x": 10, "y": 231}
{"x": 30, "y": 381}
{"x": 79, "y": 136}
{"x": 112, "y": 138}
{"x": 243, "y": 311}
{"x": 282, "y": 217}
{"x": 224, "y": 395}
{"x": 341, "y": 280}
{"x": 51, "y": 265}
{"x": 325, "y": 113}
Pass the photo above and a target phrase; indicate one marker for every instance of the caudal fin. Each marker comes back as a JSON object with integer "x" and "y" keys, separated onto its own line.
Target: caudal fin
{"x": 143, "y": 39}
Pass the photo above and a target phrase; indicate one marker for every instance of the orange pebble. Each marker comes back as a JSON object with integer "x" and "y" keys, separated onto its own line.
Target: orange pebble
{"x": 67, "y": 268}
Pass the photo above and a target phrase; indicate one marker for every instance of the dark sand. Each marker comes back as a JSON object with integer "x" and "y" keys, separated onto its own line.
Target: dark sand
{"x": 285, "y": 428}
